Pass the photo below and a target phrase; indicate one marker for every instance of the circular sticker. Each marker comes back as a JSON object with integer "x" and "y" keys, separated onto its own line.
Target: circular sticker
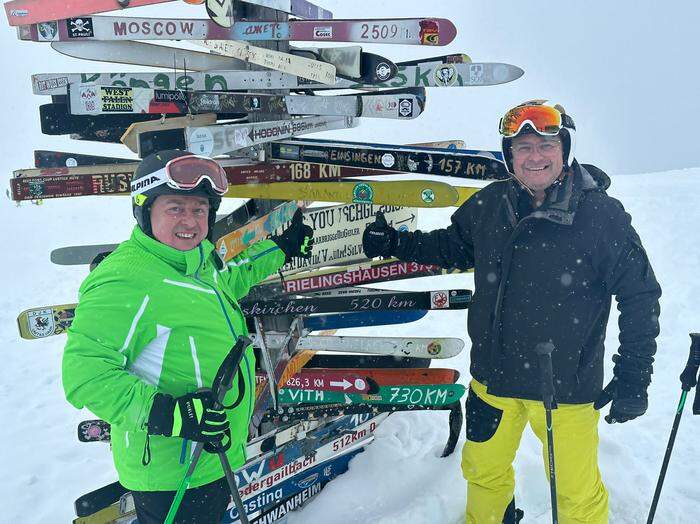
{"x": 71, "y": 162}
{"x": 388, "y": 160}
{"x": 427, "y": 196}
{"x": 362, "y": 193}
{"x": 434, "y": 348}
{"x": 360, "y": 384}
{"x": 383, "y": 71}
{"x": 201, "y": 141}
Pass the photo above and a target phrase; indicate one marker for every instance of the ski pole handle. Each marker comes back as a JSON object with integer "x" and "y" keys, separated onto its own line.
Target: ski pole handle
{"x": 689, "y": 377}
{"x": 544, "y": 353}
{"x": 223, "y": 381}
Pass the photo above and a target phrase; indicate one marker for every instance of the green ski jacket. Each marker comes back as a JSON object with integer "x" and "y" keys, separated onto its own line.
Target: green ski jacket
{"x": 153, "y": 319}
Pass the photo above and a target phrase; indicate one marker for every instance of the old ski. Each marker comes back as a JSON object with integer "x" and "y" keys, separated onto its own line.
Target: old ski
{"x": 371, "y": 301}
{"x": 145, "y": 54}
{"x": 414, "y": 193}
{"x": 432, "y": 74}
{"x": 52, "y": 159}
{"x": 309, "y": 69}
{"x": 414, "y": 395}
{"x": 102, "y": 100}
{"x": 421, "y": 347}
{"x": 226, "y": 138}
{"x": 427, "y": 161}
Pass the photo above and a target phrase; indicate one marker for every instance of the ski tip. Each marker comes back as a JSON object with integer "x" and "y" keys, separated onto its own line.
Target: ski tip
{"x": 446, "y": 32}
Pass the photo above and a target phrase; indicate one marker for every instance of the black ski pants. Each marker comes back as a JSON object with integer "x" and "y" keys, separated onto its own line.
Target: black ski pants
{"x": 203, "y": 505}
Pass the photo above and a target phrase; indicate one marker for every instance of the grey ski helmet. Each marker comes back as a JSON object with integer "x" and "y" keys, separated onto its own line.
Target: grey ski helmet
{"x": 141, "y": 204}
{"x": 566, "y": 132}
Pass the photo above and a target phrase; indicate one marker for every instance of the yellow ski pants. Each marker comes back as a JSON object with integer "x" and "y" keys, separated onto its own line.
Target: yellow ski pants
{"x": 494, "y": 427}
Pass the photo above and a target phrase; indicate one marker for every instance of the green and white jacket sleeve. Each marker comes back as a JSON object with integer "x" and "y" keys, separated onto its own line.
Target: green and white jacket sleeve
{"x": 254, "y": 265}
{"x": 108, "y": 324}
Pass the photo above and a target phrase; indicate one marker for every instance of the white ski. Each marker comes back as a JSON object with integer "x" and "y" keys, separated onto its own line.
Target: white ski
{"x": 314, "y": 70}
{"x": 222, "y": 139}
{"x": 433, "y": 74}
{"x": 418, "y": 347}
{"x": 149, "y": 55}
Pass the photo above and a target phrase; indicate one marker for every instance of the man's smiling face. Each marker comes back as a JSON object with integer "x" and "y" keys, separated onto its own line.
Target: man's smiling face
{"x": 180, "y": 221}
{"x": 537, "y": 160}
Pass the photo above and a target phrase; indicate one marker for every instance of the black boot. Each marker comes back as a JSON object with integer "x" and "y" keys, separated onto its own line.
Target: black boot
{"x": 512, "y": 515}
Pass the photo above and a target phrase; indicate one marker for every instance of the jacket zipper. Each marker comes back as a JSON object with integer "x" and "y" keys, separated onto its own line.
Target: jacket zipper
{"x": 230, "y": 325}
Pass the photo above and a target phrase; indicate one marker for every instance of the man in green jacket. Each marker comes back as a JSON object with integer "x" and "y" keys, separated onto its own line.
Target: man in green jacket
{"x": 154, "y": 322}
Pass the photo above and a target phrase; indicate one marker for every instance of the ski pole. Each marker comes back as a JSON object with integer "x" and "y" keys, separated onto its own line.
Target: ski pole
{"x": 689, "y": 380}
{"x": 544, "y": 351}
{"x": 222, "y": 384}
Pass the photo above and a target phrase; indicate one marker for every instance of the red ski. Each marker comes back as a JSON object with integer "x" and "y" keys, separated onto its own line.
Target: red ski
{"x": 23, "y": 12}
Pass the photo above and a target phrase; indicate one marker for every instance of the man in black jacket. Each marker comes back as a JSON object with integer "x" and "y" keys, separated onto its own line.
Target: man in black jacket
{"x": 549, "y": 249}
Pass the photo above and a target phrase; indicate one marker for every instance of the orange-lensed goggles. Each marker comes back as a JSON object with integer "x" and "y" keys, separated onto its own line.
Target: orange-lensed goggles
{"x": 544, "y": 119}
{"x": 185, "y": 172}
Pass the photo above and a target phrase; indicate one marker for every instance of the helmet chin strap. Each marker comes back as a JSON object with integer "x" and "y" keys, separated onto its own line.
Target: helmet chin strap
{"x": 531, "y": 191}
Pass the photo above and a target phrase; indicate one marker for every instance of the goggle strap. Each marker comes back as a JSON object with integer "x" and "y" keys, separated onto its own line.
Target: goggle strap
{"x": 148, "y": 182}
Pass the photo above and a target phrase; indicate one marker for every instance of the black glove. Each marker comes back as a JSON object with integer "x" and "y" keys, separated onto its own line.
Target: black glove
{"x": 190, "y": 416}
{"x": 297, "y": 240}
{"x": 627, "y": 391}
{"x": 629, "y": 401}
{"x": 379, "y": 238}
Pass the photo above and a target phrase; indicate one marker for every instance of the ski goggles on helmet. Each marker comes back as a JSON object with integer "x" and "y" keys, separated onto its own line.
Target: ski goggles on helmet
{"x": 184, "y": 173}
{"x": 546, "y": 120}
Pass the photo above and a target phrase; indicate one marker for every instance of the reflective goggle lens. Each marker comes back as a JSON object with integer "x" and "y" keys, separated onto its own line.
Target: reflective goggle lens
{"x": 187, "y": 172}
{"x": 544, "y": 119}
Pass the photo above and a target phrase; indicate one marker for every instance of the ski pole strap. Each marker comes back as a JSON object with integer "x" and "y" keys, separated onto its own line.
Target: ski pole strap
{"x": 689, "y": 377}
{"x": 696, "y": 402}
{"x": 544, "y": 352}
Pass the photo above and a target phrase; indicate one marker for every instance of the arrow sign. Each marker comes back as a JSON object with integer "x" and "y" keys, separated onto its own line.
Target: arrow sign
{"x": 344, "y": 384}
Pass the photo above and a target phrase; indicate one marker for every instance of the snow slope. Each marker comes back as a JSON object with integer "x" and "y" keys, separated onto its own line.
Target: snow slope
{"x": 400, "y": 478}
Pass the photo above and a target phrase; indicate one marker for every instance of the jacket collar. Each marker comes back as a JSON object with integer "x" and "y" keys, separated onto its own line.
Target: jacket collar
{"x": 188, "y": 262}
{"x": 562, "y": 198}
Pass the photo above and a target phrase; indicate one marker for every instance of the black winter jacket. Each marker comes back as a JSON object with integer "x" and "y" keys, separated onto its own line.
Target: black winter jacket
{"x": 548, "y": 275}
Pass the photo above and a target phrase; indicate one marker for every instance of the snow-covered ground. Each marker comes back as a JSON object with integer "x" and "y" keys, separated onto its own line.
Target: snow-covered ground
{"x": 609, "y": 75}
{"x": 400, "y": 478}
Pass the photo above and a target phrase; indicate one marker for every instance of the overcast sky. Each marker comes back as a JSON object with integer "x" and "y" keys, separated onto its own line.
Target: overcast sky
{"x": 627, "y": 71}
